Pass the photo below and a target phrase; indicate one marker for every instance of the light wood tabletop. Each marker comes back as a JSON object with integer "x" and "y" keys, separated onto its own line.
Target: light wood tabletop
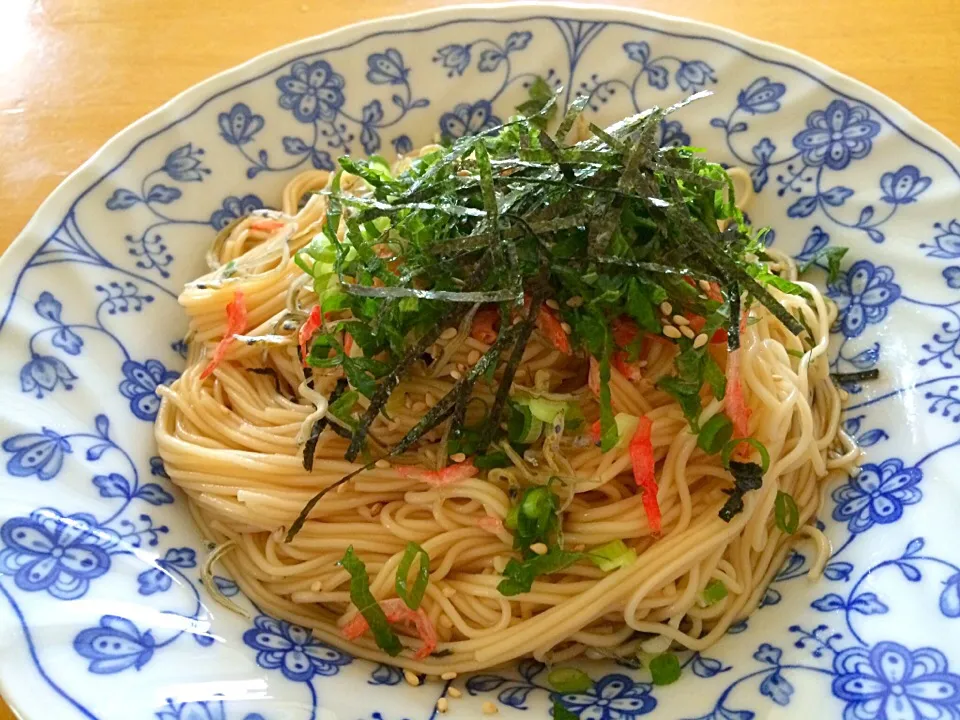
{"x": 75, "y": 72}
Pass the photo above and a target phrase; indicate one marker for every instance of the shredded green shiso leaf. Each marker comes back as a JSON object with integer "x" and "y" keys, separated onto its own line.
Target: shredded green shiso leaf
{"x": 516, "y": 213}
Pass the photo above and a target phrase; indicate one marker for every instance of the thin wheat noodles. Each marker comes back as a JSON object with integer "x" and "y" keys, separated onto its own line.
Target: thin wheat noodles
{"x": 234, "y": 442}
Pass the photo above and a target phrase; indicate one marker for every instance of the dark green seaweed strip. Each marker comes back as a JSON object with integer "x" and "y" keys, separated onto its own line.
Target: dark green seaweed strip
{"x": 310, "y": 447}
{"x": 855, "y": 377}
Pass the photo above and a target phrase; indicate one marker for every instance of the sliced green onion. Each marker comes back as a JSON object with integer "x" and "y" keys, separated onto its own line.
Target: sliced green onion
{"x": 665, "y": 669}
{"x": 714, "y": 592}
{"x": 569, "y": 680}
{"x": 413, "y": 598}
{"x": 732, "y": 445}
{"x": 367, "y": 604}
{"x": 560, "y": 712}
{"x": 510, "y": 521}
{"x": 715, "y": 434}
{"x": 615, "y": 554}
{"x": 545, "y": 410}
{"x": 523, "y": 427}
{"x": 787, "y": 513}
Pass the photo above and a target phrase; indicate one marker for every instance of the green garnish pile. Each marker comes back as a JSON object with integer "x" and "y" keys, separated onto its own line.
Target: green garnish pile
{"x": 615, "y": 222}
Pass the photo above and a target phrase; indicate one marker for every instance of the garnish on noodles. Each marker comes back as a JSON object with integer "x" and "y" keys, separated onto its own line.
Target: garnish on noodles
{"x": 535, "y": 391}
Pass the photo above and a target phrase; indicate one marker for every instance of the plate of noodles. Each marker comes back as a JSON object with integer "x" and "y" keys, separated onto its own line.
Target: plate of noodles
{"x": 533, "y": 360}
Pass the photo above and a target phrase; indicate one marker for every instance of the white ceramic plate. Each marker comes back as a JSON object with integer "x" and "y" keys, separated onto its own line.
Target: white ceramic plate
{"x": 101, "y": 611}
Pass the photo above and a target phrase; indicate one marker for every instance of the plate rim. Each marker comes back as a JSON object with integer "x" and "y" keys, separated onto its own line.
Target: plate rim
{"x": 119, "y": 147}
{"x": 152, "y": 121}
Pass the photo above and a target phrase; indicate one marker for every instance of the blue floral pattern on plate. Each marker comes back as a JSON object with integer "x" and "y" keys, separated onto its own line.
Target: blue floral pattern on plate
{"x": 91, "y": 529}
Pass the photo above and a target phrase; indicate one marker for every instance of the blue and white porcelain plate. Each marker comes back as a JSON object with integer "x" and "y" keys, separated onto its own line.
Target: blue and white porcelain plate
{"x": 102, "y": 613}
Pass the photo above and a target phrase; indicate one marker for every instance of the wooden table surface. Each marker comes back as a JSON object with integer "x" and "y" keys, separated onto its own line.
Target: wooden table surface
{"x": 75, "y": 72}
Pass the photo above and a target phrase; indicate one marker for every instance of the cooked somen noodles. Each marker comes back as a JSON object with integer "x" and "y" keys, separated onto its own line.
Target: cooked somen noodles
{"x": 535, "y": 392}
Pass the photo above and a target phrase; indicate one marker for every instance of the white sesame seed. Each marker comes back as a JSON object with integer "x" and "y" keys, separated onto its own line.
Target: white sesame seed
{"x": 442, "y": 705}
{"x": 705, "y": 285}
{"x": 539, "y": 548}
{"x": 687, "y": 331}
{"x": 700, "y": 340}
{"x": 473, "y": 357}
{"x": 458, "y": 457}
{"x": 680, "y": 320}
{"x": 411, "y": 678}
{"x": 489, "y": 708}
{"x": 408, "y": 402}
{"x": 430, "y": 400}
{"x": 448, "y": 334}
{"x": 316, "y": 586}
{"x": 575, "y": 302}
{"x": 449, "y": 592}
{"x": 666, "y": 308}
{"x": 553, "y": 304}
{"x": 566, "y": 328}
{"x": 671, "y": 332}
{"x": 419, "y": 407}
{"x": 383, "y": 463}
{"x": 376, "y": 508}
{"x": 456, "y": 374}
{"x": 461, "y": 367}
{"x": 453, "y": 692}
{"x": 450, "y": 675}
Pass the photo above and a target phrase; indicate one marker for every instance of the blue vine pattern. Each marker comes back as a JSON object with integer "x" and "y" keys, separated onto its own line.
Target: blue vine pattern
{"x": 59, "y": 554}
{"x": 314, "y": 93}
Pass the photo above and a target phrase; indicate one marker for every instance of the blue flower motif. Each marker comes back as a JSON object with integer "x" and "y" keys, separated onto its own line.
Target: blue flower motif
{"x": 639, "y": 52}
{"x": 233, "y": 208}
{"x": 456, "y": 58}
{"x": 160, "y": 578}
{"x": 140, "y": 386}
{"x": 694, "y": 75}
{"x": 372, "y": 116}
{"x": 950, "y": 597}
{"x": 762, "y": 151}
{"x": 239, "y": 125}
{"x": 761, "y": 96}
{"x": 293, "y": 650}
{"x": 863, "y": 295}
{"x": 903, "y": 186}
{"x": 45, "y": 372}
{"x": 199, "y": 710}
{"x": 672, "y": 134}
{"x": 114, "y": 646}
{"x": 837, "y": 135}
{"x": 877, "y": 495}
{"x": 39, "y": 454}
{"x": 185, "y": 164}
{"x": 468, "y": 119}
{"x": 56, "y": 553}
{"x": 890, "y": 682}
{"x": 387, "y": 68}
{"x": 312, "y": 91}
{"x": 614, "y": 697}
{"x": 952, "y": 276}
{"x": 47, "y": 306}
{"x": 947, "y": 242}
{"x": 402, "y": 144}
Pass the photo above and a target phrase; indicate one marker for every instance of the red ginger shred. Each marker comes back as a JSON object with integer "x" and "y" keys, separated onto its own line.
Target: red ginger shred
{"x": 397, "y": 611}
{"x": 439, "y": 478}
{"x": 307, "y": 330}
{"x": 644, "y": 463}
{"x": 236, "y": 324}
